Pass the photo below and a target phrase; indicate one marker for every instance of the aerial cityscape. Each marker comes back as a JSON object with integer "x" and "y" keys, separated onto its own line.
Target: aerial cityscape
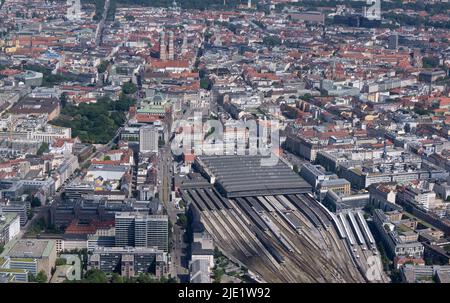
{"x": 224, "y": 141}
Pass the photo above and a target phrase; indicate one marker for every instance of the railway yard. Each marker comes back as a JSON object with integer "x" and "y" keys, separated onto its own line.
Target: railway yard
{"x": 288, "y": 238}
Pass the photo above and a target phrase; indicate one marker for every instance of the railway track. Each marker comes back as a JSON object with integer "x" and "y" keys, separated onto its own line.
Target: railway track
{"x": 276, "y": 237}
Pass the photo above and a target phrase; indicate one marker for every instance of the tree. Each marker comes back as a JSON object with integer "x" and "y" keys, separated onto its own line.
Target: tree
{"x": 428, "y": 62}
{"x": 30, "y": 214}
{"x": 306, "y": 97}
{"x": 61, "y": 261}
{"x": 63, "y": 99}
{"x": 35, "y": 202}
{"x": 447, "y": 248}
{"x": 41, "y": 277}
{"x": 369, "y": 208}
{"x": 272, "y": 41}
{"x": 129, "y": 88}
{"x": 116, "y": 278}
{"x": 217, "y": 253}
{"x": 124, "y": 103}
{"x": 161, "y": 142}
{"x": 107, "y": 158}
{"x": 95, "y": 276}
{"x": 145, "y": 278}
{"x": 182, "y": 221}
{"x": 97, "y": 122}
{"x": 129, "y": 18}
{"x": 217, "y": 274}
{"x": 43, "y": 149}
{"x": 295, "y": 168}
{"x": 167, "y": 280}
{"x": 103, "y": 66}
{"x": 205, "y": 83}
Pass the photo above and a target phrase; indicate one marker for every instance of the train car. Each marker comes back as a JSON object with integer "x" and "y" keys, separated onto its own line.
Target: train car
{"x": 275, "y": 203}
{"x": 286, "y": 203}
{"x": 305, "y": 210}
{"x": 255, "y": 204}
{"x": 285, "y": 243}
{"x": 338, "y": 226}
{"x": 266, "y": 204}
{"x": 225, "y": 201}
{"x": 326, "y": 211}
{"x": 281, "y": 202}
{"x": 186, "y": 198}
{"x": 254, "y": 216}
{"x": 217, "y": 202}
{"x": 206, "y": 199}
{"x": 293, "y": 221}
{"x": 355, "y": 226}
{"x": 312, "y": 204}
{"x": 347, "y": 229}
{"x": 196, "y": 200}
{"x": 365, "y": 228}
{"x": 269, "y": 247}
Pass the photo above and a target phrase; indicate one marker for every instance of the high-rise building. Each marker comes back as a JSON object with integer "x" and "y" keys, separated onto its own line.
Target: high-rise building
{"x": 142, "y": 230}
{"x": 157, "y": 232}
{"x": 148, "y": 139}
{"x": 171, "y": 47}
{"x": 393, "y": 41}
{"x": 162, "y": 47}
{"x": 124, "y": 222}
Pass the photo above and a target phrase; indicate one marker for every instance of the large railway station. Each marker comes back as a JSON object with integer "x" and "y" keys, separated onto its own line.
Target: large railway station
{"x": 280, "y": 236}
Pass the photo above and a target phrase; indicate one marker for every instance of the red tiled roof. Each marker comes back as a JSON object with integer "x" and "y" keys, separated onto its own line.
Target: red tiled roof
{"x": 143, "y": 118}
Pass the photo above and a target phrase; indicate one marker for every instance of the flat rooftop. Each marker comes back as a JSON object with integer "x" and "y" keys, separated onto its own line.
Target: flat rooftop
{"x": 107, "y": 167}
{"x": 7, "y": 219}
{"x": 241, "y": 176}
{"x": 31, "y": 248}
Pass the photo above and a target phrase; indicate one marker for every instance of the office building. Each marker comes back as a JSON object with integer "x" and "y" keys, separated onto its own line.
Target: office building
{"x": 33, "y": 256}
{"x": 124, "y": 223}
{"x": 399, "y": 239}
{"x": 9, "y": 226}
{"x": 430, "y": 76}
{"x": 418, "y": 274}
{"x": 129, "y": 261}
{"x": 393, "y": 41}
{"x": 339, "y": 201}
{"x": 148, "y": 139}
{"x": 142, "y": 230}
{"x": 10, "y": 274}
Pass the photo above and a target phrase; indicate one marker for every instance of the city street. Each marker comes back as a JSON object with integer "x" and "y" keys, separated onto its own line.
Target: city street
{"x": 179, "y": 266}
